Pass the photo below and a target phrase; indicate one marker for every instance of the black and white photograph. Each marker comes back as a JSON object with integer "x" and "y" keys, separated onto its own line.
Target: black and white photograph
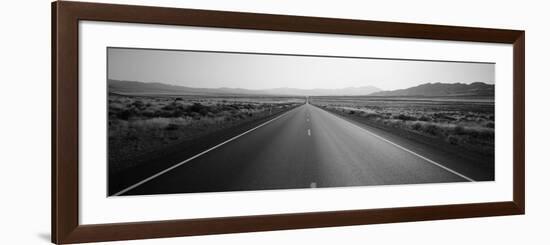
{"x": 275, "y": 122}
{"x": 196, "y": 121}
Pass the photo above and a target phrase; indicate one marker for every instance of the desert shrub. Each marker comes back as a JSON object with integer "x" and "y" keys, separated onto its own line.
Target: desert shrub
{"x": 198, "y": 108}
{"x": 427, "y": 128}
{"x": 149, "y": 113}
{"x": 173, "y": 109}
{"x": 443, "y": 116}
{"x": 416, "y": 126}
{"x": 195, "y": 115}
{"x": 481, "y": 133}
{"x": 404, "y": 117}
{"x": 138, "y": 104}
{"x": 116, "y": 105}
{"x": 224, "y": 114}
{"x": 453, "y": 140}
{"x": 170, "y": 107}
{"x": 393, "y": 123}
{"x": 430, "y": 129}
{"x": 372, "y": 116}
{"x": 127, "y": 114}
{"x": 424, "y": 118}
{"x": 172, "y": 127}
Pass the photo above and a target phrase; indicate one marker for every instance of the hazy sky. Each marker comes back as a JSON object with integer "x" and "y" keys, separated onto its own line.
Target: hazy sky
{"x": 255, "y": 71}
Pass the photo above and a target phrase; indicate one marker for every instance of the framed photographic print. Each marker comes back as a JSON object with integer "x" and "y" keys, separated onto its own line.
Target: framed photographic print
{"x": 175, "y": 122}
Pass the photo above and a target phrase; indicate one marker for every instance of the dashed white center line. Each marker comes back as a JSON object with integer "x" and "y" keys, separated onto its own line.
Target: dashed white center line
{"x": 313, "y": 185}
{"x": 309, "y": 132}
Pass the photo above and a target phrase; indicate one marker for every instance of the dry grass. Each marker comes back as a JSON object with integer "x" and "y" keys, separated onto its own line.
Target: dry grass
{"x": 458, "y": 122}
{"x": 140, "y": 125}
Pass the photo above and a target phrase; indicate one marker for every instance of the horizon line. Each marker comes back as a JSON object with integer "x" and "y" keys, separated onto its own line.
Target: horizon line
{"x": 259, "y": 89}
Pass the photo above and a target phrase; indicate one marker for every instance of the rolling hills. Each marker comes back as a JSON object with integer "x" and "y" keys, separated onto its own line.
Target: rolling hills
{"x": 133, "y": 87}
{"x": 443, "y": 89}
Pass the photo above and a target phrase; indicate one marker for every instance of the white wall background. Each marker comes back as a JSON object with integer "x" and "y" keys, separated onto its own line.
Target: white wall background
{"x": 25, "y": 121}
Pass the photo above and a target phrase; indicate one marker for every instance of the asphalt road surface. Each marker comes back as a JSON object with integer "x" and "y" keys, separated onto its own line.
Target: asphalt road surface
{"x": 308, "y": 147}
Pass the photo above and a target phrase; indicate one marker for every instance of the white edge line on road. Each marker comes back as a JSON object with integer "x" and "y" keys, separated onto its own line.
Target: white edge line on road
{"x": 409, "y": 151}
{"x": 420, "y": 156}
{"x": 195, "y": 156}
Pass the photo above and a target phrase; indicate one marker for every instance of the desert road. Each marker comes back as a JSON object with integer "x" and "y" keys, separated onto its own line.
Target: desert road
{"x": 308, "y": 147}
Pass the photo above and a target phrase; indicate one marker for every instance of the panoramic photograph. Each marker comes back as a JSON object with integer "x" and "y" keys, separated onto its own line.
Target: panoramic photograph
{"x": 185, "y": 121}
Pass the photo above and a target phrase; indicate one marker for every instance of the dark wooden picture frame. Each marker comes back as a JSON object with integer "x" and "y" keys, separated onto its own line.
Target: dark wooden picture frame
{"x": 65, "y": 122}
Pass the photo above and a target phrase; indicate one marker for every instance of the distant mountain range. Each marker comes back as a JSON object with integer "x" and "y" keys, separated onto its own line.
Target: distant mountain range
{"x": 427, "y": 89}
{"x": 350, "y": 91}
{"x": 131, "y": 87}
{"x": 443, "y": 89}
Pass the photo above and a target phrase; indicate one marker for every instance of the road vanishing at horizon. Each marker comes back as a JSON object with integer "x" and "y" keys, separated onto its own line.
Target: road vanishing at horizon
{"x": 308, "y": 147}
